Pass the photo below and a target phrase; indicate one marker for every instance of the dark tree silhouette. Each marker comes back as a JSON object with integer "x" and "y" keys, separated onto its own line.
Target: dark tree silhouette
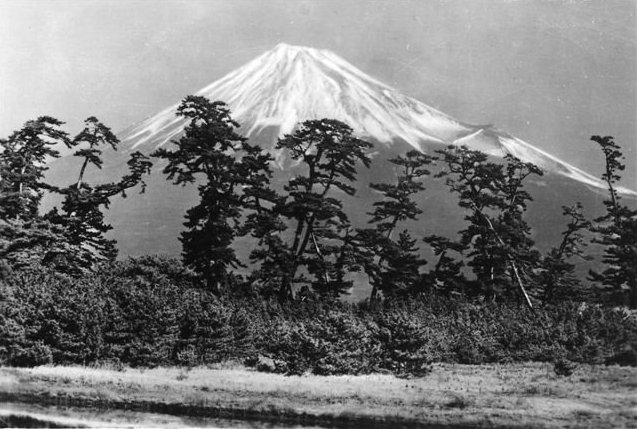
{"x": 446, "y": 275}
{"x": 208, "y": 153}
{"x": 395, "y": 266}
{"x": 82, "y": 214}
{"x": 403, "y": 263}
{"x": 22, "y": 166}
{"x": 25, "y": 238}
{"x": 212, "y": 154}
{"x": 264, "y": 222}
{"x": 498, "y": 237}
{"x": 616, "y": 229}
{"x": 557, "y": 277}
{"x": 71, "y": 241}
{"x": 329, "y": 153}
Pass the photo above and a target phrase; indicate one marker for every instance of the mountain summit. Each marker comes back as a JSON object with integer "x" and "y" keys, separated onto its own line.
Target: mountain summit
{"x": 290, "y": 84}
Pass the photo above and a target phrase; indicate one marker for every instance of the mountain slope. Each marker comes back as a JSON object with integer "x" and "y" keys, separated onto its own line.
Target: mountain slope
{"x": 289, "y": 84}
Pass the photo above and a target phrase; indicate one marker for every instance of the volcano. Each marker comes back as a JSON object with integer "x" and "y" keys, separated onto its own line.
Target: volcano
{"x": 277, "y": 90}
{"x": 291, "y": 84}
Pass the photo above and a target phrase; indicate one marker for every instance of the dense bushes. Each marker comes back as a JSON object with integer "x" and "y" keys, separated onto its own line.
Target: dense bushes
{"x": 405, "y": 337}
{"x": 140, "y": 312}
{"x": 148, "y": 312}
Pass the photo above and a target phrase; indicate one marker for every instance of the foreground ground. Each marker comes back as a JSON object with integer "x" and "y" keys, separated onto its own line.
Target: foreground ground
{"x": 520, "y": 395}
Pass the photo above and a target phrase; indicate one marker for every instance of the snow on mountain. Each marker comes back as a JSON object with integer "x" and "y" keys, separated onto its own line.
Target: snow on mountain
{"x": 290, "y": 84}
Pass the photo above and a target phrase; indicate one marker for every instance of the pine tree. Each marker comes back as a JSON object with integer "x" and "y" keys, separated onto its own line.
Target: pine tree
{"x": 497, "y": 236}
{"x": 617, "y": 229}
{"x": 264, "y": 222}
{"x": 396, "y": 206}
{"x": 207, "y": 152}
{"x": 522, "y": 256}
{"x": 29, "y": 244}
{"x": 25, "y": 238}
{"x": 95, "y": 135}
{"x": 403, "y": 263}
{"x": 82, "y": 216}
{"x": 446, "y": 275}
{"x": 231, "y": 175}
{"x": 22, "y": 166}
{"x": 329, "y": 153}
{"x": 558, "y": 277}
{"x": 70, "y": 241}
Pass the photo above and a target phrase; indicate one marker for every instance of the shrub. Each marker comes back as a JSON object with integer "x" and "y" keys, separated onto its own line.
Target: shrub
{"x": 148, "y": 312}
{"x": 154, "y": 269}
{"x": 408, "y": 344}
{"x": 626, "y": 355}
{"x": 215, "y": 330}
{"x": 564, "y": 367}
{"x": 337, "y": 341}
{"x": 32, "y": 355}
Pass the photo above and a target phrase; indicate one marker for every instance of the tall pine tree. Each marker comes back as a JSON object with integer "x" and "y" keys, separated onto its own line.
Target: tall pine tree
{"x": 82, "y": 214}
{"x": 395, "y": 267}
{"x": 328, "y": 152}
{"x": 497, "y": 236}
{"x": 25, "y": 238}
{"x": 264, "y": 222}
{"x": 23, "y": 163}
{"x": 616, "y": 229}
{"x": 231, "y": 175}
{"x": 557, "y": 277}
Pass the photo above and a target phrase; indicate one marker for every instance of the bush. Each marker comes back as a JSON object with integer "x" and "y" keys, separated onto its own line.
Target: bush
{"x": 154, "y": 269}
{"x": 215, "y": 330}
{"x": 407, "y": 345}
{"x": 33, "y": 355}
{"x": 564, "y": 367}
{"x": 142, "y": 327}
{"x": 150, "y": 312}
{"x": 51, "y": 309}
{"x": 337, "y": 341}
{"x": 626, "y": 356}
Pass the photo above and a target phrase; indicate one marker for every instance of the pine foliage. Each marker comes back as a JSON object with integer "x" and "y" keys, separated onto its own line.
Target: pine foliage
{"x": 213, "y": 155}
{"x": 329, "y": 154}
{"x": 23, "y": 163}
{"x": 498, "y": 238}
{"x": 394, "y": 266}
{"x": 617, "y": 229}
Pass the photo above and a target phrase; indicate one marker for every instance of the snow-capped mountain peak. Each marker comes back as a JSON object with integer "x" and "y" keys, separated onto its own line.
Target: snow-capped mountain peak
{"x": 290, "y": 84}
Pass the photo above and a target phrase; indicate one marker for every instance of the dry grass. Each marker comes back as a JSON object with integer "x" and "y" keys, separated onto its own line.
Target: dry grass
{"x": 507, "y": 395}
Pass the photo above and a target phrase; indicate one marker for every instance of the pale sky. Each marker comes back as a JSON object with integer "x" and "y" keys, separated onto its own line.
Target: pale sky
{"x": 550, "y": 72}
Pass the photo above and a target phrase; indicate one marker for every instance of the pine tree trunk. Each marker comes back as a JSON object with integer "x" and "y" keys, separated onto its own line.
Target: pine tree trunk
{"x": 82, "y": 170}
{"x": 510, "y": 259}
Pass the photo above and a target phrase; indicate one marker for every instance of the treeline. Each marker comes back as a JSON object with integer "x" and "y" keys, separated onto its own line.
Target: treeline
{"x": 152, "y": 311}
{"x": 304, "y": 243}
{"x": 65, "y": 299}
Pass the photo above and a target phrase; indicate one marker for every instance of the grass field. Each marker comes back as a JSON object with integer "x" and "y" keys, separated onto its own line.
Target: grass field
{"x": 520, "y": 395}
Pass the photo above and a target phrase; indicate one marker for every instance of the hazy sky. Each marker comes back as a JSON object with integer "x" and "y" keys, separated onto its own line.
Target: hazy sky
{"x": 550, "y": 72}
